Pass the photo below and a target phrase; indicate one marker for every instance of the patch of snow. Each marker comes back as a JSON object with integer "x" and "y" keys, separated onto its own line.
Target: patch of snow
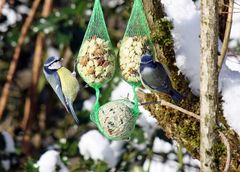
{"x": 117, "y": 147}
{"x": 49, "y": 161}
{"x": 122, "y": 91}
{"x": 12, "y": 18}
{"x": 161, "y": 146}
{"x": 10, "y": 148}
{"x": 230, "y": 86}
{"x": 89, "y": 103}
{"x": 233, "y": 63}
{"x": 95, "y": 146}
{"x": 170, "y": 164}
{"x": 197, "y": 4}
{"x": 147, "y": 122}
{"x": 156, "y": 163}
{"x": 114, "y": 3}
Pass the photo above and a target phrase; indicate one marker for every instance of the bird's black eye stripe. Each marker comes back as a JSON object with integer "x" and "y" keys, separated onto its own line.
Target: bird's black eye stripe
{"x": 54, "y": 62}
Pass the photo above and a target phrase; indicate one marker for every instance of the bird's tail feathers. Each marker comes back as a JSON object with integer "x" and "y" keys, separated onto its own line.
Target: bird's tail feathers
{"x": 71, "y": 110}
{"x": 176, "y": 96}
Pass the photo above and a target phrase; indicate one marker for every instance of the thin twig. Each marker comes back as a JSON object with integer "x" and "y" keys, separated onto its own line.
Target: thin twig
{"x": 236, "y": 3}
{"x": 31, "y": 97}
{"x": 30, "y": 104}
{"x": 168, "y": 104}
{"x": 225, "y": 5}
{"x": 2, "y": 2}
{"x": 235, "y": 12}
{"x": 13, "y": 65}
{"x": 226, "y": 35}
{"x": 226, "y": 143}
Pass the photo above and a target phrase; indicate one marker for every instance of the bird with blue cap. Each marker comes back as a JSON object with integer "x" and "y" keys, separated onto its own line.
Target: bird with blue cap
{"x": 63, "y": 82}
{"x": 154, "y": 76}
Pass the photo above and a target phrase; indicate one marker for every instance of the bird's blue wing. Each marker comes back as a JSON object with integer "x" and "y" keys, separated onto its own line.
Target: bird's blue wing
{"x": 71, "y": 110}
{"x": 54, "y": 81}
{"x": 165, "y": 74}
{"x": 157, "y": 78}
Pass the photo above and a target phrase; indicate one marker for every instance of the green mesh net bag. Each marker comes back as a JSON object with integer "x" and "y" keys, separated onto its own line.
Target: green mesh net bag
{"x": 96, "y": 59}
{"x": 134, "y": 43}
{"x": 116, "y": 119}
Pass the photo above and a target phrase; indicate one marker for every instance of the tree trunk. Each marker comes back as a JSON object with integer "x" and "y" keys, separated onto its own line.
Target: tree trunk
{"x": 208, "y": 84}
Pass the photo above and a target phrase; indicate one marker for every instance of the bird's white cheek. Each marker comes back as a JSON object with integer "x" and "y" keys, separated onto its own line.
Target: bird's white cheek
{"x": 55, "y": 66}
{"x": 147, "y": 71}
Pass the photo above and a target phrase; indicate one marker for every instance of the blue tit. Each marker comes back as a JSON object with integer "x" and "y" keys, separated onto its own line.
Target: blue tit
{"x": 63, "y": 82}
{"x": 154, "y": 77}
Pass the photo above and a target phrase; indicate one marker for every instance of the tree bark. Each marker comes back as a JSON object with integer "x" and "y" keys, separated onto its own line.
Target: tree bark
{"x": 208, "y": 84}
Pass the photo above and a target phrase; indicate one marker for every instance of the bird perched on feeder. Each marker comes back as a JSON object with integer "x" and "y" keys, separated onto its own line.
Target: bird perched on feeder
{"x": 154, "y": 77}
{"x": 63, "y": 82}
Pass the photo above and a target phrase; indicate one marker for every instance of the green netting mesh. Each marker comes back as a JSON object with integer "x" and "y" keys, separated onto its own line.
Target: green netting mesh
{"x": 116, "y": 119}
{"x": 136, "y": 108}
{"x": 135, "y": 43}
{"x": 94, "y": 113}
{"x": 137, "y": 24}
{"x": 96, "y": 60}
{"x": 96, "y": 25}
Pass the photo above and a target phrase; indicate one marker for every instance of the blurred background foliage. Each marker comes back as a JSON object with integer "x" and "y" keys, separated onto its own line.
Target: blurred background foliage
{"x": 64, "y": 29}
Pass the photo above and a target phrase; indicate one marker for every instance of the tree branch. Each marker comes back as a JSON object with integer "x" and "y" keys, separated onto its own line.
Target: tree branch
{"x": 16, "y": 55}
{"x": 30, "y": 104}
{"x": 173, "y": 106}
{"x": 1, "y": 6}
{"x": 226, "y": 35}
{"x": 208, "y": 84}
{"x": 228, "y": 159}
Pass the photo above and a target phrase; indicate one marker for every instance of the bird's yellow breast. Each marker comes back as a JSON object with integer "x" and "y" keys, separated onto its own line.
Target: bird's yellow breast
{"x": 69, "y": 83}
